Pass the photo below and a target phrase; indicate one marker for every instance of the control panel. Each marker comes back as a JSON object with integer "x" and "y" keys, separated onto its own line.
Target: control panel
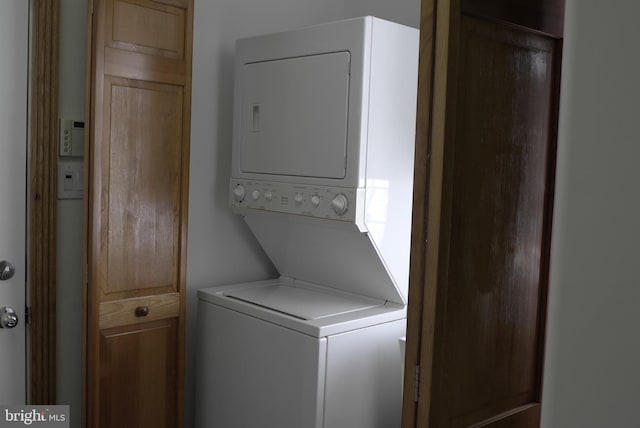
{"x": 312, "y": 201}
{"x": 71, "y": 138}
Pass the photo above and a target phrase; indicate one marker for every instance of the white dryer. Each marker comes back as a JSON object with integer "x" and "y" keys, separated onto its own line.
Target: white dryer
{"x": 322, "y": 174}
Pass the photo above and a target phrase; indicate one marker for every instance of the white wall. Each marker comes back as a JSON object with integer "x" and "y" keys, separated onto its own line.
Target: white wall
{"x": 220, "y": 247}
{"x": 592, "y": 372}
{"x": 405, "y": 12}
{"x": 69, "y": 216}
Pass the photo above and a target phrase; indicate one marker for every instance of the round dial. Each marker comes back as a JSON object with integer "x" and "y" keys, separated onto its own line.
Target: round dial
{"x": 298, "y": 198}
{"x": 340, "y": 204}
{"x": 255, "y": 195}
{"x": 238, "y": 193}
{"x": 268, "y": 195}
{"x": 315, "y": 200}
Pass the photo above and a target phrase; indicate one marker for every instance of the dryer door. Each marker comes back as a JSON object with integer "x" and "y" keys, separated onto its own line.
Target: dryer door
{"x": 294, "y": 116}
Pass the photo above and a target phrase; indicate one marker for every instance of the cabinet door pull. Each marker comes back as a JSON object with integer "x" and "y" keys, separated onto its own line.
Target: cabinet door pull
{"x": 142, "y": 311}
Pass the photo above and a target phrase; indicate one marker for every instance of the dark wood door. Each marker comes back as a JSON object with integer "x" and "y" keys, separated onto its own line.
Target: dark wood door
{"x": 136, "y": 220}
{"x": 484, "y": 197}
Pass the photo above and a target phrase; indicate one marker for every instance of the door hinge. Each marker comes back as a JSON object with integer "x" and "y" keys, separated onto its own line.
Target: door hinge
{"x": 416, "y": 389}
{"x": 27, "y": 315}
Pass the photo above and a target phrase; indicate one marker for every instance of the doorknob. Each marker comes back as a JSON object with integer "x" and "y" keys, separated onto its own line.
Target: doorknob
{"x": 6, "y": 270}
{"x": 8, "y": 317}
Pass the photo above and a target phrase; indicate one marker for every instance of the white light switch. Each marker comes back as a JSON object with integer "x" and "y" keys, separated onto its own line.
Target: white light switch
{"x": 70, "y": 180}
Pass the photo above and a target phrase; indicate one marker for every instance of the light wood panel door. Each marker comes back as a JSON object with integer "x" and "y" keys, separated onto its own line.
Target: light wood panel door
{"x": 136, "y": 211}
{"x": 484, "y": 195}
{"x": 144, "y": 358}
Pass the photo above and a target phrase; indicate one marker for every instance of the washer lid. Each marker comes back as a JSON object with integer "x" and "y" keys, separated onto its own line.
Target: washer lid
{"x": 328, "y": 253}
{"x": 302, "y": 303}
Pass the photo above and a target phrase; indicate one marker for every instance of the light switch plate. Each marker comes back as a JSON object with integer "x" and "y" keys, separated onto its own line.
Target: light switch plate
{"x": 70, "y": 179}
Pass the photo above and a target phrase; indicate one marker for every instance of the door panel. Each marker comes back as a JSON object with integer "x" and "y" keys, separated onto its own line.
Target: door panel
{"x": 151, "y": 28}
{"x": 485, "y": 165}
{"x": 14, "y": 32}
{"x": 546, "y": 16}
{"x": 520, "y": 417}
{"x": 137, "y": 212}
{"x": 143, "y": 358}
{"x": 490, "y": 333}
{"x": 143, "y": 146}
{"x": 150, "y": 44}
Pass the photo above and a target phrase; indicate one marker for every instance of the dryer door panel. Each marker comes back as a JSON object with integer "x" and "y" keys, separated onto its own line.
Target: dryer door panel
{"x": 294, "y": 116}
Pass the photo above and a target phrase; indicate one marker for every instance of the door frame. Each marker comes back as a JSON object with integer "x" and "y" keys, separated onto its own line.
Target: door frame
{"x": 423, "y": 263}
{"x": 42, "y": 200}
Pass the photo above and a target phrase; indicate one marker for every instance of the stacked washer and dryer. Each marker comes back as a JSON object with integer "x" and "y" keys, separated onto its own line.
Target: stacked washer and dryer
{"x": 322, "y": 172}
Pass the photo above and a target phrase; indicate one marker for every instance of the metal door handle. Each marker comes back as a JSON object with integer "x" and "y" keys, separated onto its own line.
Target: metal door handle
{"x": 6, "y": 270}
{"x": 8, "y": 317}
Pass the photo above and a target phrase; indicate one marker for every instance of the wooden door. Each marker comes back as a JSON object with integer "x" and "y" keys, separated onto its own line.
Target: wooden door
{"x": 136, "y": 211}
{"x": 489, "y": 86}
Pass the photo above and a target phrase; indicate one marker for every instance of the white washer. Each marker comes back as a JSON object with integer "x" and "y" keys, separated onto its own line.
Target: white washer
{"x": 297, "y": 355}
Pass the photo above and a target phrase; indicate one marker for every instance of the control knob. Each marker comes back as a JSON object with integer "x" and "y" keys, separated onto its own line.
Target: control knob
{"x": 298, "y": 198}
{"x": 268, "y": 195}
{"x": 340, "y": 204}
{"x": 315, "y": 200}
{"x": 255, "y": 195}
{"x": 239, "y": 193}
